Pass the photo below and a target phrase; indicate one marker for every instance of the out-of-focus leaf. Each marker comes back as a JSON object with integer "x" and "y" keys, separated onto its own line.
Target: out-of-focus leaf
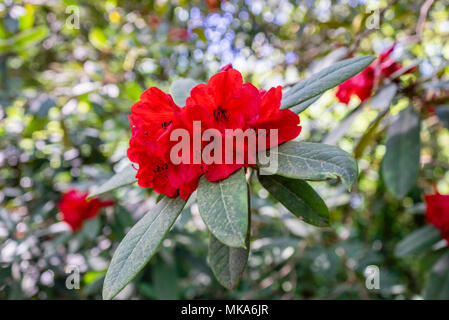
{"x": 180, "y": 90}
{"x": 400, "y": 164}
{"x": 313, "y": 161}
{"x": 382, "y": 100}
{"x": 418, "y": 241}
{"x": 298, "y": 197}
{"x": 223, "y": 205}
{"x": 140, "y": 244}
{"x": 24, "y": 39}
{"x": 437, "y": 287}
{"x": 165, "y": 281}
{"x": 27, "y": 20}
{"x": 200, "y": 33}
{"x": 91, "y": 228}
{"x": 345, "y": 124}
{"x": 41, "y": 105}
{"x": 369, "y": 135}
{"x": 442, "y": 113}
{"x": 98, "y": 39}
{"x": 147, "y": 290}
{"x": 325, "y": 80}
{"x": 120, "y": 179}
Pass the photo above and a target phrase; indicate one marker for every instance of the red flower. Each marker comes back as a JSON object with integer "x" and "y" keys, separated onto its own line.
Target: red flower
{"x": 179, "y": 34}
{"x": 224, "y": 103}
{"x": 213, "y": 5}
{"x": 151, "y": 123}
{"x": 272, "y": 117}
{"x": 76, "y": 208}
{"x": 437, "y": 212}
{"x": 363, "y": 83}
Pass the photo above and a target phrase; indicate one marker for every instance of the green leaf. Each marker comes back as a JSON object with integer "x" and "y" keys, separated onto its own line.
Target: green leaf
{"x": 313, "y": 161}
{"x": 369, "y": 135}
{"x": 91, "y": 228}
{"x": 325, "y": 80}
{"x": 418, "y": 241}
{"x": 442, "y": 113}
{"x": 298, "y": 197}
{"x": 400, "y": 164}
{"x": 437, "y": 287}
{"x": 345, "y": 124}
{"x": 140, "y": 244}
{"x": 165, "y": 279}
{"x": 98, "y": 39}
{"x": 223, "y": 206}
{"x": 180, "y": 90}
{"x": 300, "y": 107}
{"x": 227, "y": 263}
{"x": 120, "y": 179}
{"x": 384, "y": 97}
{"x": 24, "y": 39}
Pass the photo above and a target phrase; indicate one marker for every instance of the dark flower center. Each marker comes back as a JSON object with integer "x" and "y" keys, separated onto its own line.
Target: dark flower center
{"x": 221, "y": 114}
{"x": 160, "y": 168}
{"x": 165, "y": 124}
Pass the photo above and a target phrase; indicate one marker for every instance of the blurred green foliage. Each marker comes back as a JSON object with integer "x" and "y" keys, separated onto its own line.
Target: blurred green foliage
{"x": 70, "y": 71}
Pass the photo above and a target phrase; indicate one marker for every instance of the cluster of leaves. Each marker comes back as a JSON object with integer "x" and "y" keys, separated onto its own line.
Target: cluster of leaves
{"x": 224, "y": 205}
{"x": 65, "y": 93}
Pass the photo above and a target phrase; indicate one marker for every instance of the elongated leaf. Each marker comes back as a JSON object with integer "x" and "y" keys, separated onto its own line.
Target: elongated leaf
{"x": 338, "y": 132}
{"x": 437, "y": 287}
{"x": 304, "y": 105}
{"x": 180, "y": 90}
{"x": 382, "y": 100}
{"x": 400, "y": 164}
{"x": 325, "y": 80}
{"x": 369, "y": 135}
{"x": 442, "y": 113}
{"x": 313, "y": 161}
{"x": 24, "y": 39}
{"x": 298, "y": 197}
{"x": 227, "y": 263}
{"x": 418, "y": 241}
{"x": 223, "y": 206}
{"x": 120, "y": 179}
{"x": 140, "y": 244}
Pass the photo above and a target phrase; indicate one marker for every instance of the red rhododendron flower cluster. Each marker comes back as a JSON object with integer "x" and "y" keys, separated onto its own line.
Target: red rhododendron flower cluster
{"x": 224, "y": 103}
{"x": 363, "y": 83}
{"x": 437, "y": 212}
{"x": 76, "y": 208}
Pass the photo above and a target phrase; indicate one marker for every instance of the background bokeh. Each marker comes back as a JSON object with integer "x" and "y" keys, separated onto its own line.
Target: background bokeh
{"x": 70, "y": 71}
